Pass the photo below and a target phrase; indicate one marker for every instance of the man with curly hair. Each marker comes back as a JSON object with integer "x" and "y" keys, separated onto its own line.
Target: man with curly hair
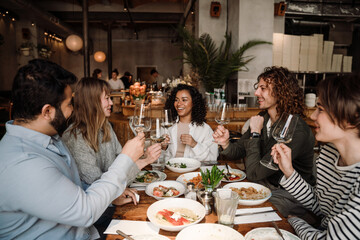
{"x": 277, "y": 91}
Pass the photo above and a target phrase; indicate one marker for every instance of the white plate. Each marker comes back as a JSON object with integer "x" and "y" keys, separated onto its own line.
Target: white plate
{"x": 236, "y": 171}
{"x": 186, "y": 177}
{"x": 258, "y": 187}
{"x": 177, "y": 185}
{"x": 268, "y": 233}
{"x": 149, "y": 237}
{"x": 209, "y": 231}
{"x": 191, "y": 164}
{"x": 162, "y": 177}
{"x": 192, "y": 205}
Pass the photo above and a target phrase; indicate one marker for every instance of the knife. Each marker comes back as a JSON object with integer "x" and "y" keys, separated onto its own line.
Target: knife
{"x": 278, "y": 230}
{"x": 124, "y": 235}
{"x": 252, "y": 213}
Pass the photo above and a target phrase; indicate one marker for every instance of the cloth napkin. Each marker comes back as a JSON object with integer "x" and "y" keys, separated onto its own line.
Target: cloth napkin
{"x": 264, "y": 217}
{"x": 131, "y": 227}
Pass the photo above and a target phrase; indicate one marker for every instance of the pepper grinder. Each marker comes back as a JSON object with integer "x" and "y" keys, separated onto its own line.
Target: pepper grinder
{"x": 206, "y": 198}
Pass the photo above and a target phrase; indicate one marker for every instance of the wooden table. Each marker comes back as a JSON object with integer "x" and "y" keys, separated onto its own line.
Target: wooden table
{"x": 138, "y": 213}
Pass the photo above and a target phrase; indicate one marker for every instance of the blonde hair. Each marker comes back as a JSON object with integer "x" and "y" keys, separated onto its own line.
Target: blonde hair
{"x": 88, "y": 116}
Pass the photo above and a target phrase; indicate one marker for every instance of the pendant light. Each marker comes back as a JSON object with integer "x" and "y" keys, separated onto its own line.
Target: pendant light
{"x": 99, "y": 56}
{"x": 74, "y": 42}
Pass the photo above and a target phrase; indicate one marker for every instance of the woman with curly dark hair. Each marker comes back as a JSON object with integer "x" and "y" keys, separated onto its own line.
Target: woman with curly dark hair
{"x": 277, "y": 92}
{"x": 190, "y": 136}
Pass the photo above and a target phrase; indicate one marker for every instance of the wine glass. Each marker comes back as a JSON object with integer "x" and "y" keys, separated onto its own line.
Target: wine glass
{"x": 167, "y": 120}
{"x": 282, "y": 133}
{"x": 223, "y": 115}
{"x": 157, "y": 135}
{"x": 141, "y": 121}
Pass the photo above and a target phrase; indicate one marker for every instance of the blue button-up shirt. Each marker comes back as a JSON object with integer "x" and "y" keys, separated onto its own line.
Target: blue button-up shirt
{"x": 40, "y": 189}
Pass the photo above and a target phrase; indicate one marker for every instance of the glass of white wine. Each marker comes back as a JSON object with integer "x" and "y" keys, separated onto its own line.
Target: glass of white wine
{"x": 223, "y": 115}
{"x": 283, "y": 133}
{"x": 141, "y": 121}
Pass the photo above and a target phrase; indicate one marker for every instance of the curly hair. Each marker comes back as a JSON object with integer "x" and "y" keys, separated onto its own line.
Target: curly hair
{"x": 286, "y": 90}
{"x": 340, "y": 97}
{"x": 88, "y": 116}
{"x": 198, "y": 111}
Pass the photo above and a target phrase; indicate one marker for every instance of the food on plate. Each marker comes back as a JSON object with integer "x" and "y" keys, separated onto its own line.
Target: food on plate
{"x": 212, "y": 177}
{"x": 177, "y": 165}
{"x": 176, "y": 216}
{"x": 147, "y": 177}
{"x": 197, "y": 181}
{"x": 249, "y": 193}
{"x": 163, "y": 191}
{"x": 235, "y": 176}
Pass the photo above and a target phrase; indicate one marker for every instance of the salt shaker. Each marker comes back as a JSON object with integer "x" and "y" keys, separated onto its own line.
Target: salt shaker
{"x": 191, "y": 192}
{"x": 206, "y": 198}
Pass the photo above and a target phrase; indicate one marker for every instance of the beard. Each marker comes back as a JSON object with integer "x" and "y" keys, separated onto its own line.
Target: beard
{"x": 60, "y": 123}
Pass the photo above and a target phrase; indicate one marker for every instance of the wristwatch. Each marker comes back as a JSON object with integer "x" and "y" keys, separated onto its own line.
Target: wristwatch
{"x": 254, "y": 135}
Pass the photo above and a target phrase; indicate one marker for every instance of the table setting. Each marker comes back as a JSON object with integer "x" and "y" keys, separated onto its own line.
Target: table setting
{"x": 174, "y": 216}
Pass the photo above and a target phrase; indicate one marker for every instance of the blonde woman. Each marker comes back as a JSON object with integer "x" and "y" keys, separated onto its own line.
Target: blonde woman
{"x": 90, "y": 138}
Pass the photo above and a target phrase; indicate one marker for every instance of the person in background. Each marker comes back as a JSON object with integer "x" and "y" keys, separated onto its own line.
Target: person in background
{"x": 97, "y": 73}
{"x": 153, "y": 80}
{"x": 190, "y": 136}
{"x": 277, "y": 91}
{"x": 336, "y": 196}
{"x": 127, "y": 80}
{"x": 115, "y": 83}
{"x": 41, "y": 192}
{"x": 93, "y": 143}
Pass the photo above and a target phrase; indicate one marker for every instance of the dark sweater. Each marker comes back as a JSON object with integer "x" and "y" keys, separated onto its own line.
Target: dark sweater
{"x": 256, "y": 149}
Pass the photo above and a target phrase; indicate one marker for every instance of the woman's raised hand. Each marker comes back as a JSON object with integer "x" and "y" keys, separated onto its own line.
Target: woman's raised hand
{"x": 134, "y": 148}
{"x": 152, "y": 153}
{"x": 282, "y": 156}
{"x": 187, "y": 139}
{"x": 221, "y": 136}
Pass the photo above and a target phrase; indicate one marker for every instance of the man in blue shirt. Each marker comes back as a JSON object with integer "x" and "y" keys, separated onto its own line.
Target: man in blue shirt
{"x": 40, "y": 189}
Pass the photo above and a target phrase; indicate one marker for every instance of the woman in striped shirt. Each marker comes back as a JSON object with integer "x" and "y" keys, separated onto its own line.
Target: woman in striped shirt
{"x": 336, "y": 196}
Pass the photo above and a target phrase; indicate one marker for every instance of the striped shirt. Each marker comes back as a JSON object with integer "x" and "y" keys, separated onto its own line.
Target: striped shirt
{"x": 336, "y": 198}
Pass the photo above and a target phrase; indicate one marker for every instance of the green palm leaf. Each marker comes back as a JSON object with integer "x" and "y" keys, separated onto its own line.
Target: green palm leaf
{"x": 213, "y": 64}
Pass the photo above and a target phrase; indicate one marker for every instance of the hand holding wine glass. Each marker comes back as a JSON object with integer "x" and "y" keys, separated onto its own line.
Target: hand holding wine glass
{"x": 223, "y": 115}
{"x": 282, "y": 133}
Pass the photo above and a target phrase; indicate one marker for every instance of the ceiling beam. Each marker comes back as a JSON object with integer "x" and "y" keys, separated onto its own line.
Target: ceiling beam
{"x": 140, "y": 17}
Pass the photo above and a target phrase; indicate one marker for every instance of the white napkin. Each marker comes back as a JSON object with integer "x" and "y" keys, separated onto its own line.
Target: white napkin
{"x": 131, "y": 227}
{"x": 264, "y": 217}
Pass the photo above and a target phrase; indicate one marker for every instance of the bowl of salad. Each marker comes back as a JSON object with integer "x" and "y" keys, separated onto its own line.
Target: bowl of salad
{"x": 174, "y": 214}
{"x": 182, "y": 165}
{"x": 165, "y": 189}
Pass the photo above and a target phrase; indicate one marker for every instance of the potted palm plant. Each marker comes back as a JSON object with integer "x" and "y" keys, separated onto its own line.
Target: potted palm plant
{"x": 211, "y": 64}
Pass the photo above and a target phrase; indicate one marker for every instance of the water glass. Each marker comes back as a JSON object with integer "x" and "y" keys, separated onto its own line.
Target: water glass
{"x": 226, "y": 204}
{"x": 159, "y": 165}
